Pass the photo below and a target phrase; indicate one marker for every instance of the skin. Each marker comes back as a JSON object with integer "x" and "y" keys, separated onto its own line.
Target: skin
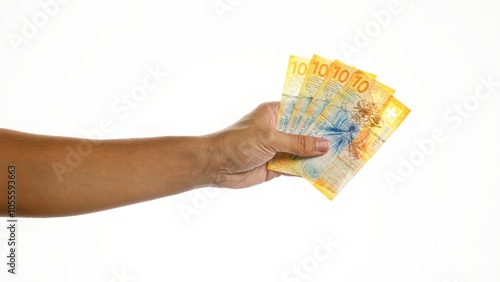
{"x": 113, "y": 173}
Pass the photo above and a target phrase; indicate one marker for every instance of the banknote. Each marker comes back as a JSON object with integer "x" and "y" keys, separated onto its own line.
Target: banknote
{"x": 316, "y": 72}
{"x": 330, "y": 99}
{"x": 355, "y": 110}
{"x": 340, "y": 168}
{"x": 296, "y": 71}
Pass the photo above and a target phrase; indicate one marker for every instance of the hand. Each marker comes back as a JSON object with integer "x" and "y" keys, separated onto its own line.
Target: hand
{"x": 242, "y": 150}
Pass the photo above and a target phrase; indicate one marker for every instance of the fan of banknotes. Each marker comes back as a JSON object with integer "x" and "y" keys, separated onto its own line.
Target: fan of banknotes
{"x": 347, "y": 106}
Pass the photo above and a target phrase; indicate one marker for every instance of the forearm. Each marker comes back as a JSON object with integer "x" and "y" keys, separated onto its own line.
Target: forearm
{"x": 52, "y": 181}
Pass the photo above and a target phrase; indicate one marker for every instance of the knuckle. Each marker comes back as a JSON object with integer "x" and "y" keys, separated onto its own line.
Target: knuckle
{"x": 266, "y": 105}
{"x": 269, "y": 138}
{"x": 301, "y": 144}
{"x": 266, "y": 135}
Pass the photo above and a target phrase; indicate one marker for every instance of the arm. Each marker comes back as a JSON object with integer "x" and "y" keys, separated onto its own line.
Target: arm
{"x": 51, "y": 180}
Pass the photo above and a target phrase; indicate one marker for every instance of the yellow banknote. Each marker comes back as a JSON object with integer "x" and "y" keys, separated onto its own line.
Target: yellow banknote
{"x": 352, "y": 111}
{"x": 348, "y": 107}
{"x": 342, "y": 167}
{"x": 296, "y": 71}
{"x": 316, "y": 72}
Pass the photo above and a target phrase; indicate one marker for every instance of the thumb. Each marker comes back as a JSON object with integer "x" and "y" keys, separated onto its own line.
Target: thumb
{"x": 301, "y": 145}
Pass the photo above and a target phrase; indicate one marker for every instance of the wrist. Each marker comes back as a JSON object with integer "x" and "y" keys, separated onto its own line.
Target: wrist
{"x": 209, "y": 158}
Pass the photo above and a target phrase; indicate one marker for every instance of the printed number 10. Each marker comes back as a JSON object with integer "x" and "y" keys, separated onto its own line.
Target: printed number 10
{"x": 342, "y": 76}
{"x": 301, "y": 69}
{"x": 323, "y": 69}
{"x": 360, "y": 85}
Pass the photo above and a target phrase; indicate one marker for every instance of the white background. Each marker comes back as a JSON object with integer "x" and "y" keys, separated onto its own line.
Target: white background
{"x": 440, "y": 224}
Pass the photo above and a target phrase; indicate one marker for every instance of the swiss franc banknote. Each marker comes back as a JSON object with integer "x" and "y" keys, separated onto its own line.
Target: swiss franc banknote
{"x": 295, "y": 74}
{"x": 296, "y": 71}
{"x": 356, "y": 113}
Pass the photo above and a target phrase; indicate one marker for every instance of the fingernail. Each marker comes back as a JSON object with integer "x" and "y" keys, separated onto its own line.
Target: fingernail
{"x": 322, "y": 145}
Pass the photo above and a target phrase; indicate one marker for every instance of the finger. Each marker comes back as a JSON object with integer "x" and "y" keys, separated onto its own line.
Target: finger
{"x": 272, "y": 174}
{"x": 301, "y": 145}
